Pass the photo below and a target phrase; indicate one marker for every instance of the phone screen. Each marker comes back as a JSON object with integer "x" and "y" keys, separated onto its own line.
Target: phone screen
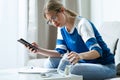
{"x": 24, "y": 42}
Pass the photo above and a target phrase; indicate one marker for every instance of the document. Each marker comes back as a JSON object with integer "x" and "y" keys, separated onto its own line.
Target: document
{"x": 36, "y": 70}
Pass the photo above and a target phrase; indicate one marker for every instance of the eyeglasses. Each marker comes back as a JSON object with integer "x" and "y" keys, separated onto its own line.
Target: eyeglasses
{"x": 53, "y": 18}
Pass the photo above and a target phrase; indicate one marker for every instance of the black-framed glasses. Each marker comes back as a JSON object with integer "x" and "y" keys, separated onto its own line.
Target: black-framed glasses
{"x": 54, "y": 18}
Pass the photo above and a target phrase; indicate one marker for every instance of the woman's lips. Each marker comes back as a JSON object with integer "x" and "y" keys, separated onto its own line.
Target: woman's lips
{"x": 57, "y": 25}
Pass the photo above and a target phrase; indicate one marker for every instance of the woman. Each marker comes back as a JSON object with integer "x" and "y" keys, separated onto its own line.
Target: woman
{"x": 78, "y": 37}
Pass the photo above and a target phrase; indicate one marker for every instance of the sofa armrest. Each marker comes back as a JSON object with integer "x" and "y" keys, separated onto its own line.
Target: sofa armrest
{"x": 117, "y": 53}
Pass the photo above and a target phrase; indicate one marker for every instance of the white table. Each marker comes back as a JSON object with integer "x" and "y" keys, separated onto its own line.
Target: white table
{"x": 13, "y": 74}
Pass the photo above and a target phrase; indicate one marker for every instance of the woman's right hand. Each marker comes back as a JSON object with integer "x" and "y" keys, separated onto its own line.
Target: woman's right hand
{"x": 34, "y": 49}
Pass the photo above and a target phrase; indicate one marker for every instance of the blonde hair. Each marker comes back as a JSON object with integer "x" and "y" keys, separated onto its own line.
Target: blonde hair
{"x": 55, "y": 5}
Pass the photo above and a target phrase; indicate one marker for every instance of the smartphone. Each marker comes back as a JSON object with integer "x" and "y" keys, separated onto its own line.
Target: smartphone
{"x": 24, "y": 42}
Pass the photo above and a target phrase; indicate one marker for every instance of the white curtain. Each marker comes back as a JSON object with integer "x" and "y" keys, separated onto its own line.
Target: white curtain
{"x": 8, "y": 33}
{"x": 13, "y": 24}
{"x": 23, "y": 56}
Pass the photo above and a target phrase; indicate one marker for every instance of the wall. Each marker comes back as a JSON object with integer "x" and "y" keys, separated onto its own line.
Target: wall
{"x": 104, "y": 10}
{"x": 111, "y": 11}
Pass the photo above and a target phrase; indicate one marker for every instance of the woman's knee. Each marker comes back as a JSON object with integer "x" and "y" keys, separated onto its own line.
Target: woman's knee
{"x": 77, "y": 69}
{"x": 89, "y": 70}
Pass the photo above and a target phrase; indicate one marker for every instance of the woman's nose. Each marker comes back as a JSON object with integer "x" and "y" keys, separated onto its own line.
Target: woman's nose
{"x": 54, "y": 22}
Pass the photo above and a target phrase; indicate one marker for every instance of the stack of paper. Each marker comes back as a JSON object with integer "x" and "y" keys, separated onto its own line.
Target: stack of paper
{"x": 36, "y": 70}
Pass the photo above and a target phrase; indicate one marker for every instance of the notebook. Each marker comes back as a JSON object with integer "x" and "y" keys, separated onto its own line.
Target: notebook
{"x": 35, "y": 70}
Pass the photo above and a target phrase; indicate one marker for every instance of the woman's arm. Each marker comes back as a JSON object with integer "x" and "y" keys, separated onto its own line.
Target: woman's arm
{"x": 75, "y": 57}
{"x": 93, "y": 54}
{"x": 44, "y": 52}
{"x": 50, "y": 53}
{"x": 85, "y": 29}
{"x": 88, "y": 35}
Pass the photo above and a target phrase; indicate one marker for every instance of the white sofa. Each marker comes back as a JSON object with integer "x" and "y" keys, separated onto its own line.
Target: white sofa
{"x": 110, "y": 32}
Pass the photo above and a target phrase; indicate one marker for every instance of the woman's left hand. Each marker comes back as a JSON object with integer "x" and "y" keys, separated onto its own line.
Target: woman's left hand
{"x": 73, "y": 57}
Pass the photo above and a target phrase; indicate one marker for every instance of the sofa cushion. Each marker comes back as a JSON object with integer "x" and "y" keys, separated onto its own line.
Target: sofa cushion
{"x": 111, "y": 42}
